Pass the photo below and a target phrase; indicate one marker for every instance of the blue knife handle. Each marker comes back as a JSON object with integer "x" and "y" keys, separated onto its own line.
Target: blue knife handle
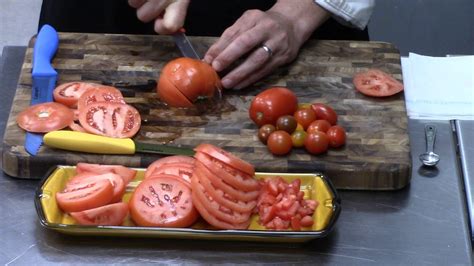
{"x": 45, "y": 47}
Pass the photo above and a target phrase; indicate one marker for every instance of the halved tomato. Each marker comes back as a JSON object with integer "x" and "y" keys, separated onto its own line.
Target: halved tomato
{"x": 85, "y": 196}
{"x": 110, "y": 119}
{"x": 87, "y": 177}
{"x": 127, "y": 174}
{"x": 163, "y": 201}
{"x": 181, "y": 170}
{"x": 376, "y": 83}
{"x": 112, "y": 214}
{"x": 226, "y": 157}
{"x": 168, "y": 160}
{"x": 69, "y": 93}
{"x": 45, "y": 117}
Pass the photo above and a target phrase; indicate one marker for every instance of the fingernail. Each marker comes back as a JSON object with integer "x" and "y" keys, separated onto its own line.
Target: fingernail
{"x": 217, "y": 66}
{"x": 226, "y": 83}
{"x": 208, "y": 59}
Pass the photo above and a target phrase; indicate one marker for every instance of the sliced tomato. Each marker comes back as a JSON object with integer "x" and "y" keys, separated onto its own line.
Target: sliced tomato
{"x": 377, "y": 83}
{"x": 226, "y": 157}
{"x": 183, "y": 171}
{"x": 110, "y": 119}
{"x": 163, "y": 201}
{"x": 181, "y": 159}
{"x": 85, "y": 196}
{"x": 99, "y": 94}
{"x": 45, "y": 117}
{"x": 76, "y": 127}
{"x": 69, "y": 93}
{"x": 112, "y": 214}
{"x": 116, "y": 181}
{"x": 127, "y": 174}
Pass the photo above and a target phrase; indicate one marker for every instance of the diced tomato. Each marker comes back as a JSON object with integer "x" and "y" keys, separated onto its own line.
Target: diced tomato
{"x": 307, "y": 221}
{"x": 296, "y": 223}
{"x": 126, "y": 173}
{"x": 112, "y": 214}
{"x": 85, "y": 196}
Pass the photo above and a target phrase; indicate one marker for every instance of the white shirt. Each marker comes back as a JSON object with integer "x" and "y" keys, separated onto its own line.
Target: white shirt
{"x": 355, "y": 12}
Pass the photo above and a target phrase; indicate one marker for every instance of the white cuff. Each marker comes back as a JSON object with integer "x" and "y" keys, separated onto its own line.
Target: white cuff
{"x": 354, "y": 12}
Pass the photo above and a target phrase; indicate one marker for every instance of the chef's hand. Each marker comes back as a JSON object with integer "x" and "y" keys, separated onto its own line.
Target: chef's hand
{"x": 267, "y": 40}
{"x": 168, "y": 15}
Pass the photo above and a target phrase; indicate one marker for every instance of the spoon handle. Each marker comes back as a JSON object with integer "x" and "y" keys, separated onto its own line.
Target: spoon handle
{"x": 430, "y": 135}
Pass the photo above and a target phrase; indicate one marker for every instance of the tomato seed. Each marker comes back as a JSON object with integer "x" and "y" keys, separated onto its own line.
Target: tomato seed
{"x": 147, "y": 201}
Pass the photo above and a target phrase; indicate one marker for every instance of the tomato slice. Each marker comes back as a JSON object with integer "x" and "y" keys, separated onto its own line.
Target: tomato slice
{"x": 45, "y": 117}
{"x": 112, "y": 214}
{"x": 226, "y": 157}
{"x": 127, "y": 174}
{"x": 101, "y": 93}
{"x": 183, "y": 171}
{"x": 377, "y": 83}
{"x": 181, "y": 159}
{"x": 86, "y": 177}
{"x": 110, "y": 119}
{"x": 85, "y": 196}
{"x": 163, "y": 201}
{"x": 69, "y": 93}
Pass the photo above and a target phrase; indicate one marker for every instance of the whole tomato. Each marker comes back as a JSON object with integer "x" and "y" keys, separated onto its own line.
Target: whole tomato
{"x": 305, "y": 117}
{"x": 272, "y": 103}
{"x": 279, "y": 142}
{"x": 316, "y": 142}
{"x": 182, "y": 81}
{"x": 336, "y": 136}
{"x": 325, "y": 112}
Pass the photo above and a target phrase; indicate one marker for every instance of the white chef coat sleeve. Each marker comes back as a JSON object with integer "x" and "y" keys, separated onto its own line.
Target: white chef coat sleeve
{"x": 353, "y": 12}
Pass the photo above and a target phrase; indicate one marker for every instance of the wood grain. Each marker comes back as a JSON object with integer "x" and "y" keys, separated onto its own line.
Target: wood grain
{"x": 376, "y": 156}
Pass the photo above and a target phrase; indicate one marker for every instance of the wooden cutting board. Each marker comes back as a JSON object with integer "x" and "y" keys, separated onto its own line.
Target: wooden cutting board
{"x": 376, "y": 156}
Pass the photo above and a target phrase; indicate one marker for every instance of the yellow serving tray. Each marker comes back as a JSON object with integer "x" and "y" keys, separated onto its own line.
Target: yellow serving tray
{"x": 316, "y": 186}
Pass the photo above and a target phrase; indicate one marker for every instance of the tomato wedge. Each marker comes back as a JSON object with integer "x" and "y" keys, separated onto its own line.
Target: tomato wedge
{"x": 127, "y": 174}
{"x": 110, "y": 119}
{"x": 101, "y": 93}
{"x": 226, "y": 157}
{"x": 85, "y": 196}
{"x": 181, "y": 159}
{"x": 45, "y": 117}
{"x": 183, "y": 171}
{"x": 69, "y": 93}
{"x": 163, "y": 201}
{"x": 112, "y": 214}
{"x": 86, "y": 177}
{"x": 377, "y": 83}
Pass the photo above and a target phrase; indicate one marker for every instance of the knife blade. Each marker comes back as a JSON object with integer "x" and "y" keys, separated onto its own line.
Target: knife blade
{"x": 44, "y": 78}
{"x": 184, "y": 45}
{"x": 90, "y": 143}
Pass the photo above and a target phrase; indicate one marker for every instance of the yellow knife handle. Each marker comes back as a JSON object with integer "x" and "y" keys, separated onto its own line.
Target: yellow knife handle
{"x": 85, "y": 142}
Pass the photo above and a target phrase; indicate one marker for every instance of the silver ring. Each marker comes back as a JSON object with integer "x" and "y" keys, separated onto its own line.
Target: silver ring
{"x": 268, "y": 50}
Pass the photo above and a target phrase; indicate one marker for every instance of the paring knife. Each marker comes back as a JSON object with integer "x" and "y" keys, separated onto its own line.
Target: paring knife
{"x": 44, "y": 78}
{"x": 184, "y": 45}
{"x": 90, "y": 143}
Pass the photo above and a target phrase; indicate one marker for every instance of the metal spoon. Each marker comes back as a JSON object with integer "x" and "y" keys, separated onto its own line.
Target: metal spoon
{"x": 429, "y": 158}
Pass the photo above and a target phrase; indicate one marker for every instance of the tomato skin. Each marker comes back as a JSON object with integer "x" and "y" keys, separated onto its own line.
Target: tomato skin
{"x": 325, "y": 112}
{"x": 69, "y": 93}
{"x": 272, "y": 103}
{"x": 336, "y": 136}
{"x": 265, "y": 131}
{"x": 45, "y": 117}
{"x": 280, "y": 142}
{"x": 112, "y": 214}
{"x": 316, "y": 142}
{"x": 376, "y": 83}
{"x": 318, "y": 125}
{"x": 305, "y": 117}
{"x": 85, "y": 196}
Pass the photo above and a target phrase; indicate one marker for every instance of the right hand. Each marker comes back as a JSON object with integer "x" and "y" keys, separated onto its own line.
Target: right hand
{"x": 168, "y": 15}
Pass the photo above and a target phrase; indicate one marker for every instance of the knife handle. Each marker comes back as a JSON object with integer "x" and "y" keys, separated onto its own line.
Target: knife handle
{"x": 45, "y": 47}
{"x": 90, "y": 143}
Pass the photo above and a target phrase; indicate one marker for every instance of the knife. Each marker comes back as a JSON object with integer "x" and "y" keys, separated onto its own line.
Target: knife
{"x": 44, "y": 78}
{"x": 184, "y": 45}
{"x": 90, "y": 143}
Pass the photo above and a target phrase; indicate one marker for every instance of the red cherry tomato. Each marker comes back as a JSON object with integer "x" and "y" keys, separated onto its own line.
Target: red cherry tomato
{"x": 272, "y": 103}
{"x": 318, "y": 125}
{"x": 325, "y": 112}
{"x": 69, "y": 93}
{"x": 377, "y": 83}
{"x": 305, "y": 116}
{"x": 336, "y": 136}
{"x": 110, "y": 119}
{"x": 316, "y": 142}
{"x": 280, "y": 142}
{"x": 182, "y": 81}
{"x": 112, "y": 214}
{"x": 45, "y": 117}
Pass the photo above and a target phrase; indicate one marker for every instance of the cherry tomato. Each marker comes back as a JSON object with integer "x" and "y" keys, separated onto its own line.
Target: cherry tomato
{"x": 101, "y": 93}
{"x": 182, "y": 81}
{"x": 86, "y": 195}
{"x": 163, "y": 201}
{"x": 226, "y": 157}
{"x": 286, "y": 123}
{"x": 316, "y": 142}
{"x": 305, "y": 116}
{"x": 112, "y": 214}
{"x": 325, "y": 112}
{"x": 69, "y": 93}
{"x": 272, "y": 103}
{"x": 264, "y": 132}
{"x": 298, "y": 138}
{"x": 110, "y": 119}
{"x": 377, "y": 83}
{"x": 179, "y": 159}
{"x": 45, "y": 117}
{"x": 336, "y": 136}
{"x": 127, "y": 174}
{"x": 318, "y": 125}
{"x": 279, "y": 142}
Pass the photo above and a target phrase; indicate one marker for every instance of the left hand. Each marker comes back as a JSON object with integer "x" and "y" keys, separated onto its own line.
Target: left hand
{"x": 283, "y": 28}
